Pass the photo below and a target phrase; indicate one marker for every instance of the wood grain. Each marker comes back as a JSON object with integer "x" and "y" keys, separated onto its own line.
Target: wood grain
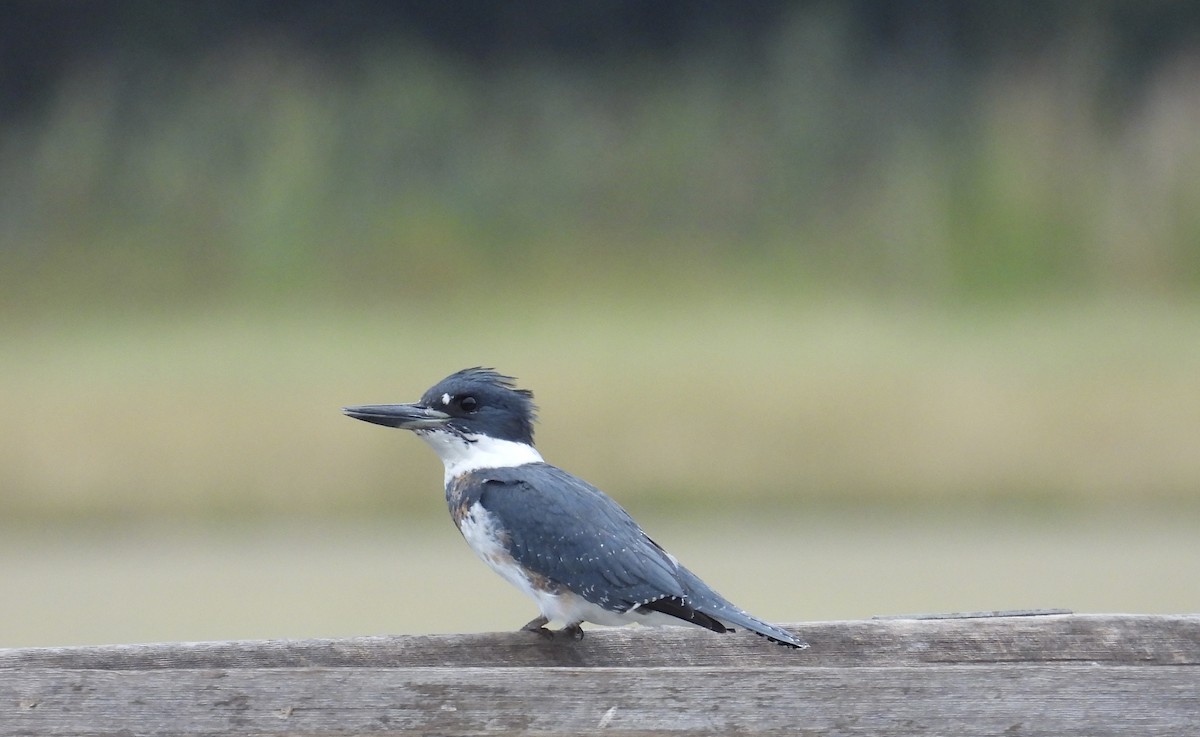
{"x": 1052, "y": 675}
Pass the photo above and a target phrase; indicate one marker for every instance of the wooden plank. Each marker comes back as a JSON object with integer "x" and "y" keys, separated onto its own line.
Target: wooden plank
{"x": 980, "y": 615}
{"x": 1040, "y": 675}
{"x": 1026, "y": 700}
{"x": 1110, "y": 638}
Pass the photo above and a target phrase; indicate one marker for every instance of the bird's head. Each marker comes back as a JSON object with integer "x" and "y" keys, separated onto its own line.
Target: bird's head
{"x": 471, "y": 404}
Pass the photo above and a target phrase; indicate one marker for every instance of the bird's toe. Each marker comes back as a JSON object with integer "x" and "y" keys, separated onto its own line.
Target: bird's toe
{"x": 537, "y": 627}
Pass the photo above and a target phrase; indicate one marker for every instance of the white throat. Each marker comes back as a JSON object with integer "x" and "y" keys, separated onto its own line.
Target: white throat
{"x": 462, "y": 454}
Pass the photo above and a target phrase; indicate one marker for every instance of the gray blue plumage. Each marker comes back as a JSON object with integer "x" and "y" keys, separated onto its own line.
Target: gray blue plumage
{"x": 561, "y": 540}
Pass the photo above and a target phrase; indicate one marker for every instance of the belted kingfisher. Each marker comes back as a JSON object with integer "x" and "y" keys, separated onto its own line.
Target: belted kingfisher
{"x": 560, "y": 540}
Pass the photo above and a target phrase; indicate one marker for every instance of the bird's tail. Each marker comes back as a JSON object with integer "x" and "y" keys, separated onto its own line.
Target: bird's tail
{"x": 712, "y": 606}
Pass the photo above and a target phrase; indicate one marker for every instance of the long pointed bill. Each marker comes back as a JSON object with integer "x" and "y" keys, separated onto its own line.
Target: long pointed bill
{"x": 403, "y": 416}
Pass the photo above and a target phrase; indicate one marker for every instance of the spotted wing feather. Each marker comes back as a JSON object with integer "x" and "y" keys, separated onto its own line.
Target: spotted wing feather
{"x": 575, "y": 535}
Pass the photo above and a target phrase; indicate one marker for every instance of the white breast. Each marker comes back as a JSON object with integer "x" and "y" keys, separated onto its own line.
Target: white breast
{"x": 481, "y": 532}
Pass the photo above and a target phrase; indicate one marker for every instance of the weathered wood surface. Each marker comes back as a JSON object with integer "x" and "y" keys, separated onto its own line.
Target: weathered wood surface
{"x": 1051, "y": 675}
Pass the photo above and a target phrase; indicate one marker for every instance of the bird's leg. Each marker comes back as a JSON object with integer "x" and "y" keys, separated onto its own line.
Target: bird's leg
{"x": 572, "y": 630}
{"x": 538, "y": 627}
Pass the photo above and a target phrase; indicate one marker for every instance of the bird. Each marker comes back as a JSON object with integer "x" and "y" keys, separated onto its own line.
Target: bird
{"x": 564, "y": 543}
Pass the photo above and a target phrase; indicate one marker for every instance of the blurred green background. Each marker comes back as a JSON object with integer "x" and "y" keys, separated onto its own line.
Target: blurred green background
{"x": 862, "y": 308}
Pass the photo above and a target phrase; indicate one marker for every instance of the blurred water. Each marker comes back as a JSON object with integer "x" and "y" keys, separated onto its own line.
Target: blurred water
{"x": 69, "y": 587}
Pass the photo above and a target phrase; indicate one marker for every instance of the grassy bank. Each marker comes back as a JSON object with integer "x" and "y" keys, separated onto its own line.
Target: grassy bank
{"x": 234, "y": 412}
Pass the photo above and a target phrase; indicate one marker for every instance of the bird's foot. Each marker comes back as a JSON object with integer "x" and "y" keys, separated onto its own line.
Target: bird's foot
{"x": 538, "y": 627}
{"x": 572, "y": 631}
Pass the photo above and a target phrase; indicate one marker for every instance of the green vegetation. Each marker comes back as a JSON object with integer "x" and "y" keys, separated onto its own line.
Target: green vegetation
{"x": 802, "y": 277}
{"x": 260, "y": 170}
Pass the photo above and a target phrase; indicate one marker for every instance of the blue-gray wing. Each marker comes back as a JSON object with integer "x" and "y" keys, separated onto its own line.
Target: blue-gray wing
{"x": 567, "y": 530}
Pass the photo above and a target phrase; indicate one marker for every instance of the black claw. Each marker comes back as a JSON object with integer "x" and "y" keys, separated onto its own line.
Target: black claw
{"x": 573, "y": 631}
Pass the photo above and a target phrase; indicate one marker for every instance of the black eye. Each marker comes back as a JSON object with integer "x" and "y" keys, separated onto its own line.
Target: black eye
{"x": 469, "y": 404}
